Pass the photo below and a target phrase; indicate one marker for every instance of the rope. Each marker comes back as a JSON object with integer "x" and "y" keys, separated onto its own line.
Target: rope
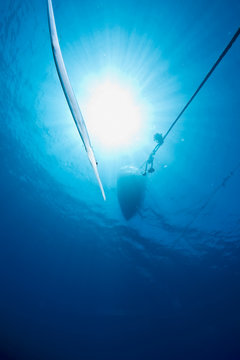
{"x": 151, "y": 157}
{"x": 209, "y": 199}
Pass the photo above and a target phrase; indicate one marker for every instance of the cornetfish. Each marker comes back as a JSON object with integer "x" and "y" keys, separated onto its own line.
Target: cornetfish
{"x": 69, "y": 94}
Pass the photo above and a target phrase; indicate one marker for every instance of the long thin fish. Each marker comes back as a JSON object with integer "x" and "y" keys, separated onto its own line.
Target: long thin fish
{"x": 69, "y": 94}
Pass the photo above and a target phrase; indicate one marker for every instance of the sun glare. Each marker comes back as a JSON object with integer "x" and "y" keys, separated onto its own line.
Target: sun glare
{"x": 112, "y": 114}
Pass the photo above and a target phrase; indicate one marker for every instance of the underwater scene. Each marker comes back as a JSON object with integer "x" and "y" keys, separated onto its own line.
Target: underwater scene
{"x": 120, "y": 173}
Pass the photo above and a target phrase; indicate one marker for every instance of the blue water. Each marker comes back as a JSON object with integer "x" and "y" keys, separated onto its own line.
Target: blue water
{"x": 77, "y": 281}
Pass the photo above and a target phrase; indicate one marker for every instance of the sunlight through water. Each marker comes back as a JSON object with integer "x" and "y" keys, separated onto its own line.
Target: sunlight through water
{"x": 113, "y": 115}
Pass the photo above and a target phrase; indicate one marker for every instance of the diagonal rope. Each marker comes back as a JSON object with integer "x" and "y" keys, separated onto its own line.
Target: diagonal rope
{"x": 208, "y": 200}
{"x": 151, "y": 156}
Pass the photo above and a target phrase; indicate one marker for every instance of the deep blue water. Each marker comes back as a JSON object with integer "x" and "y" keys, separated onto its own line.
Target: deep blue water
{"x": 77, "y": 281}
